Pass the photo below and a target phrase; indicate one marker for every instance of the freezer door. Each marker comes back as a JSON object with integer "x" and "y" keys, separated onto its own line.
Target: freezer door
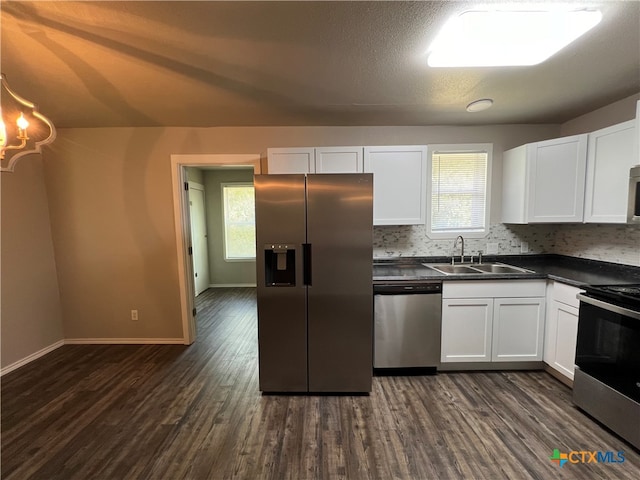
{"x": 340, "y": 294}
{"x": 282, "y": 327}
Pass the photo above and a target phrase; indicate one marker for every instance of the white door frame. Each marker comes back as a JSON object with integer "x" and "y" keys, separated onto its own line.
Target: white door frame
{"x": 183, "y": 226}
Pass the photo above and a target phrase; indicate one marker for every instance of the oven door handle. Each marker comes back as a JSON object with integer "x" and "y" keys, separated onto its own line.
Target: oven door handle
{"x": 607, "y": 306}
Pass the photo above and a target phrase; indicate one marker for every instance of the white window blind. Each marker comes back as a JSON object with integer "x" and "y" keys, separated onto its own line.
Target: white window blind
{"x": 459, "y": 192}
{"x": 239, "y": 221}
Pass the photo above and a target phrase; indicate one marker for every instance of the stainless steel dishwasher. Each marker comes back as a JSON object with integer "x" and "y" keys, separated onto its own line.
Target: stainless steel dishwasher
{"x": 407, "y": 327}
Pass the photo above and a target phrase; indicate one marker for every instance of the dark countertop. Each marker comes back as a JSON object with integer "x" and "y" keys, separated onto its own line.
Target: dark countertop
{"x": 570, "y": 270}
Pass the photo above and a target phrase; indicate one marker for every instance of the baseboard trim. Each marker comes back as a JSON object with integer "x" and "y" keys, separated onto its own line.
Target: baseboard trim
{"x": 31, "y": 358}
{"x": 489, "y": 366}
{"x": 124, "y": 341}
{"x": 229, "y": 285}
{"x": 558, "y": 376}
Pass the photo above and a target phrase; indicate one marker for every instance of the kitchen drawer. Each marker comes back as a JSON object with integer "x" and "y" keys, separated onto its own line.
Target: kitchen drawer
{"x": 566, "y": 294}
{"x": 493, "y": 289}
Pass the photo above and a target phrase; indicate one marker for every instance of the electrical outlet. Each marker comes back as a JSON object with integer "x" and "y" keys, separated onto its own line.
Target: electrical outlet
{"x": 524, "y": 247}
{"x": 492, "y": 248}
{"x": 134, "y": 315}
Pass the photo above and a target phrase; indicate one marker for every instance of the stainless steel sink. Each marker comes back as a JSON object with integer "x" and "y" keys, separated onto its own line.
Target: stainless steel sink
{"x": 455, "y": 269}
{"x": 500, "y": 268}
{"x": 476, "y": 268}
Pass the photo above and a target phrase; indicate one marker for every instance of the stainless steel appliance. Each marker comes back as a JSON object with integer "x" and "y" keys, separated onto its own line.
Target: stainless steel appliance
{"x": 314, "y": 237}
{"x": 407, "y": 327}
{"x": 607, "y": 378}
{"x": 633, "y": 212}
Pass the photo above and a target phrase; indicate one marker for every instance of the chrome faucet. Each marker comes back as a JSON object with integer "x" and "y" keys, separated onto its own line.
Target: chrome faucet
{"x": 455, "y": 244}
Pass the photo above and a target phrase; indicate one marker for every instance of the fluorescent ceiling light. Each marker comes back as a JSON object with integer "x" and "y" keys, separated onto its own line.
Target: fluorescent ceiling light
{"x": 502, "y": 38}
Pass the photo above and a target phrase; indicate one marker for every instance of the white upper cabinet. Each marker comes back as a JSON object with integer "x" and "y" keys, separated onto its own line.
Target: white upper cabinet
{"x": 315, "y": 160}
{"x": 399, "y": 175}
{"x": 399, "y": 184}
{"x": 556, "y": 180}
{"x": 515, "y": 186}
{"x": 543, "y": 182}
{"x": 291, "y": 160}
{"x": 339, "y": 160}
{"x": 610, "y": 156}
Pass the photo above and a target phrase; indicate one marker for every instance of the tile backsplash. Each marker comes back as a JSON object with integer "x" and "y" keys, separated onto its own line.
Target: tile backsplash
{"x": 611, "y": 243}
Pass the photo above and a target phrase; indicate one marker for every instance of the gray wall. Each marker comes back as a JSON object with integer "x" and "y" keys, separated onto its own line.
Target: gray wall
{"x": 222, "y": 272}
{"x": 195, "y": 175}
{"x": 30, "y": 301}
{"x": 617, "y": 112}
{"x": 110, "y": 204}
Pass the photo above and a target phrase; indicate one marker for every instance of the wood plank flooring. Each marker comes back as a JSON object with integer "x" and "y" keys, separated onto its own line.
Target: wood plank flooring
{"x": 175, "y": 412}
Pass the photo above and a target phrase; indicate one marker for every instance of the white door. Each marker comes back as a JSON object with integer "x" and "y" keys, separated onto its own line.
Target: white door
{"x": 200, "y": 254}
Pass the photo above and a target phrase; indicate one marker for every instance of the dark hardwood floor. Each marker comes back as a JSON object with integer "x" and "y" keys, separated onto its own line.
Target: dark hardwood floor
{"x": 174, "y": 412}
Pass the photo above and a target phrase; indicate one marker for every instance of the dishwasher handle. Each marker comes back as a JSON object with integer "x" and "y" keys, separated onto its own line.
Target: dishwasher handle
{"x": 415, "y": 289}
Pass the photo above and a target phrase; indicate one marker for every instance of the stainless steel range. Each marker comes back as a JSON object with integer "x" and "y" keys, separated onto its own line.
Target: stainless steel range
{"x": 607, "y": 378}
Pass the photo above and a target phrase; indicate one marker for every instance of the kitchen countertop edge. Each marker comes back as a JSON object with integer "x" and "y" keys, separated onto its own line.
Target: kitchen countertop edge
{"x": 573, "y": 271}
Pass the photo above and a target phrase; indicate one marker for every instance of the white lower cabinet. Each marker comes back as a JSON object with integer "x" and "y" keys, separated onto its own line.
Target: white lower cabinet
{"x": 466, "y": 330}
{"x": 562, "y": 328}
{"x": 493, "y": 321}
{"x": 518, "y": 329}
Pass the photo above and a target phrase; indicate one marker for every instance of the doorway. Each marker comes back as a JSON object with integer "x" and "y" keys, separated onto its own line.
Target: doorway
{"x": 186, "y": 282}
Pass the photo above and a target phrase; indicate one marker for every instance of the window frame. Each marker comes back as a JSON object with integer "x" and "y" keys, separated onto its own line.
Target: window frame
{"x": 223, "y": 204}
{"x": 459, "y": 148}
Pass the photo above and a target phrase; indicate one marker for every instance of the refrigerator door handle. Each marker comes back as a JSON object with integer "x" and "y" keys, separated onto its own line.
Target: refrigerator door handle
{"x": 306, "y": 264}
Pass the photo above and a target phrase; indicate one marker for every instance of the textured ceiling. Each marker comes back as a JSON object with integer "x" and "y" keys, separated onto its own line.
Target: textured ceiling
{"x": 207, "y": 63}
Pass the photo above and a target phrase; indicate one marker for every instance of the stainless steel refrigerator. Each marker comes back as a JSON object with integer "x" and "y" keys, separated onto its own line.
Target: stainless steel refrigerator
{"x": 315, "y": 296}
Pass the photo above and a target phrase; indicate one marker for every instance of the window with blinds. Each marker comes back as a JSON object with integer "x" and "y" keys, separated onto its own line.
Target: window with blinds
{"x": 238, "y": 207}
{"x": 459, "y": 192}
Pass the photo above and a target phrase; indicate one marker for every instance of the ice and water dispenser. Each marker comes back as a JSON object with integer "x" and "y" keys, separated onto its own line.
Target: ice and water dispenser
{"x": 280, "y": 265}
